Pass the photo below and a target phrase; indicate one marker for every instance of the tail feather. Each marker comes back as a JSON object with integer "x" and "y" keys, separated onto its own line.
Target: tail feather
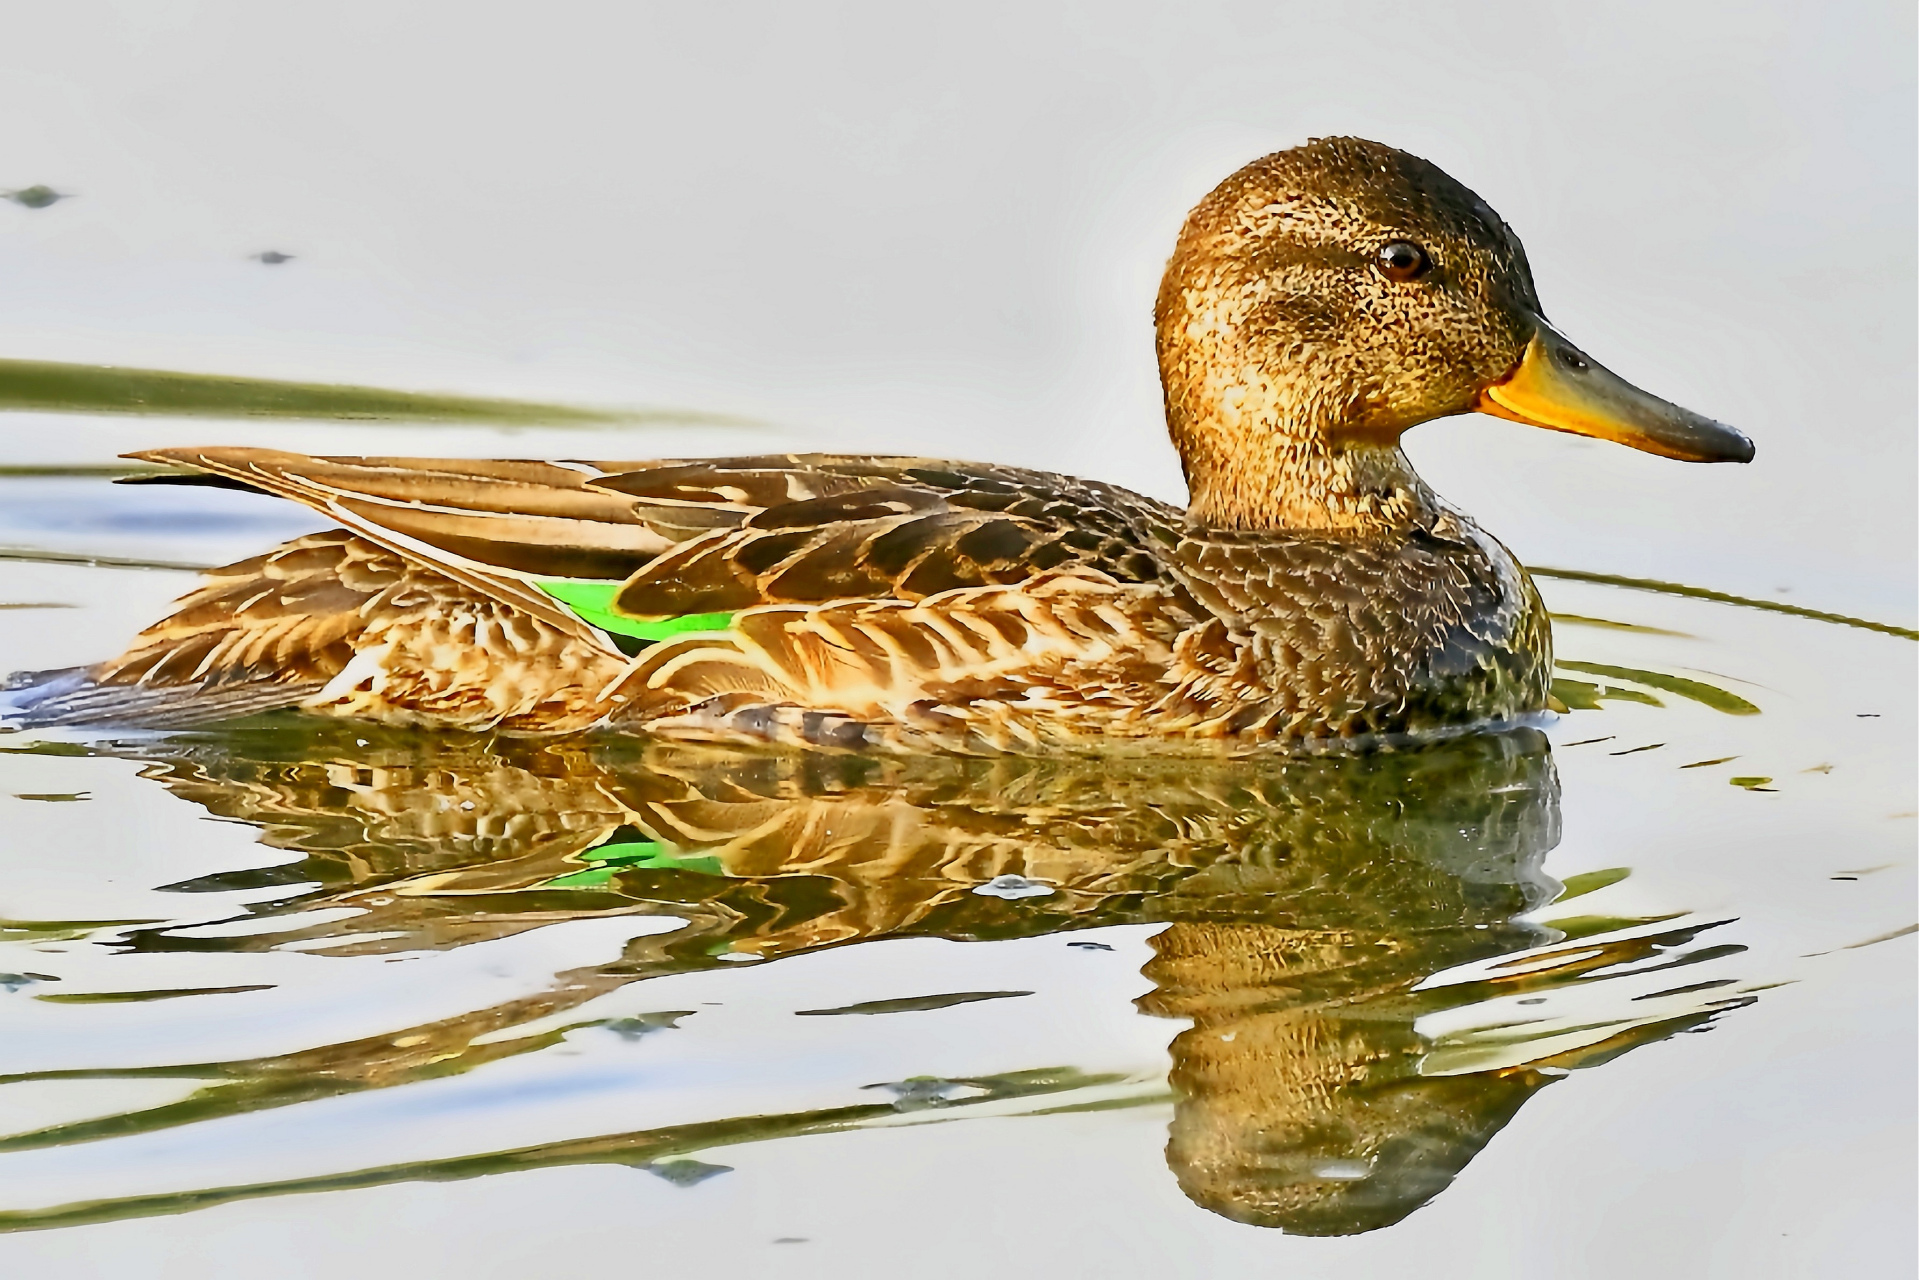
{"x": 337, "y": 624}
{"x": 73, "y": 696}
{"x": 259, "y": 635}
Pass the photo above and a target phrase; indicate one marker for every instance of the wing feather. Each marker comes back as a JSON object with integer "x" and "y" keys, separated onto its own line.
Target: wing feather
{"x": 990, "y": 665}
{"x": 399, "y": 517}
{"x": 717, "y": 536}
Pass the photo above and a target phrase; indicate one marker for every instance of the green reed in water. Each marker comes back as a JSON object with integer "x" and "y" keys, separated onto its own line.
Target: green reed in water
{"x": 46, "y": 387}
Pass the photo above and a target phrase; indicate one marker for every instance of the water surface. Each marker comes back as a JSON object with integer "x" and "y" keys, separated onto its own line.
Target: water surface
{"x": 440, "y": 1000}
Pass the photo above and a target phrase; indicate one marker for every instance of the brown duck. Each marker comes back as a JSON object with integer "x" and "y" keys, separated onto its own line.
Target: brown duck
{"x": 1319, "y": 303}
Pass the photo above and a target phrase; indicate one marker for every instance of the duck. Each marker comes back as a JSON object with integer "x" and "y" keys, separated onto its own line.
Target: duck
{"x": 1318, "y": 304}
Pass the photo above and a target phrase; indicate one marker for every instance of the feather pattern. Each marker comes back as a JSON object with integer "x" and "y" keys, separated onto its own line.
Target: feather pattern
{"x": 889, "y": 603}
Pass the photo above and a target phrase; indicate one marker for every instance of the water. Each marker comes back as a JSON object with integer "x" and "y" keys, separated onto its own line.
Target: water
{"x": 1634, "y": 992}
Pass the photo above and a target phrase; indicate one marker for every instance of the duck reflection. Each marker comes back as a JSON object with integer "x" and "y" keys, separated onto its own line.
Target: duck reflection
{"x": 1308, "y": 902}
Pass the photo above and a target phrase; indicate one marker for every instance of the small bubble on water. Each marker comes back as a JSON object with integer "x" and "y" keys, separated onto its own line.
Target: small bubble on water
{"x": 1012, "y": 887}
{"x": 15, "y": 981}
{"x": 922, "y": 1092}
{"x": 686, "y": 1173}
{"x": 1343, "y": 1170}
{"x": 642, "y": 1025}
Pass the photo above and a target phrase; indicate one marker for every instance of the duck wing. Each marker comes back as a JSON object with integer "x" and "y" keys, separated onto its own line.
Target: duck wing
{"x": 646, "y": 550}
{"x": 800, "y": 598}
{"x": 493, "y": 527}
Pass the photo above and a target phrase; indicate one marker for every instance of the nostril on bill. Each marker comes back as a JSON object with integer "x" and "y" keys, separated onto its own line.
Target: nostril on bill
{"x": 1573, "y": 361}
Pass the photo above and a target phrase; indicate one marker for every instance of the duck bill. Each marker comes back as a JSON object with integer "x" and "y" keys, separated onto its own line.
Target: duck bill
{"x": 1557, "y": 386}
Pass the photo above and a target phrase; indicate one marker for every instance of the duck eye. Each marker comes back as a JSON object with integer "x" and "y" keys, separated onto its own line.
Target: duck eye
{"x": 1403, "y": 260}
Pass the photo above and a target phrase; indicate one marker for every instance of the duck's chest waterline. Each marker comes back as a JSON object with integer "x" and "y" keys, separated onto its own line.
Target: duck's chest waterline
{"x": 1430, "y": 630}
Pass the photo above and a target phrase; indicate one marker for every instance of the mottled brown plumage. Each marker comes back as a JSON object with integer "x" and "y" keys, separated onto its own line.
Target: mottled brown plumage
{"x": 335, "y": 621}
{"x": 1316, "y": 588}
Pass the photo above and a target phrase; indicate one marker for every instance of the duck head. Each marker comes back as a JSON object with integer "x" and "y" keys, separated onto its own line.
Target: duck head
{"x": 1323, "y": 300}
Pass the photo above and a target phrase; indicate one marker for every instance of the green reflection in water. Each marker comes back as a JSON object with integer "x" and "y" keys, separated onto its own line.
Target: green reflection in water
{"x": 1697, "y": 690}
{"x": 643, "y": 1149}
{"x": 37, "y": 196}
{"x": 38, "y": 555}
{"x": 911, "y": 1004}
{"x": 1582, "y": 695}
{"x": 1305, "y": 901}
{"x": 1591, "y": 882}
{"x": 1720, "y": 597}
{"x": 58, "y": 930}
{"x": 144, "y": 997}
{"x": 47, "y": 387}
{"x": 1583, "y": 620}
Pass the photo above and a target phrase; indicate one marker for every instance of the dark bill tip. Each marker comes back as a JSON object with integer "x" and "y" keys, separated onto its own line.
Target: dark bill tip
{"x": 1557, "y": 386}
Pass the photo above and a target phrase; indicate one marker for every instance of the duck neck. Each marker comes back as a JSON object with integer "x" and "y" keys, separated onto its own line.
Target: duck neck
{"x": 1277, "y": 436}
{"x": 1272, "y": 474}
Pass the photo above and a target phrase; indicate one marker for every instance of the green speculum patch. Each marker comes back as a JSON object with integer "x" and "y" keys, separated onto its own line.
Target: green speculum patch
{"x": 609, "y": 859}
{"x": 593, "y": 602}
